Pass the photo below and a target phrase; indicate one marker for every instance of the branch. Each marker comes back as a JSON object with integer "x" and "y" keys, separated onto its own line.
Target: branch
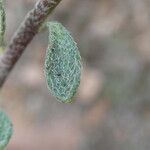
{"x": 24, "y": 35}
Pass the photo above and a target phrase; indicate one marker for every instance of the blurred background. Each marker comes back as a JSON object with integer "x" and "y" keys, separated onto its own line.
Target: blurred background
{"x": 112, "y": 108}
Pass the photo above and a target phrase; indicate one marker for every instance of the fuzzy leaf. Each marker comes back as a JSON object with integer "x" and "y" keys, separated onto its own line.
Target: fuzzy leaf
{"x": 5, "y": 130}
{"x": 62, "y": 63}
{"x": 2, "y": 23}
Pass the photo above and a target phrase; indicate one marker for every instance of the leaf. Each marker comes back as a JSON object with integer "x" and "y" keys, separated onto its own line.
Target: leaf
{"x": 62, "y": 63}
{"x": 2, "y": 23}
{"x": 5, "y": 130}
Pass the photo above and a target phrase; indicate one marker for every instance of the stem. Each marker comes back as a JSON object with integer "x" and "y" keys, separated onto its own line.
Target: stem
{"x": 24, "y": 35}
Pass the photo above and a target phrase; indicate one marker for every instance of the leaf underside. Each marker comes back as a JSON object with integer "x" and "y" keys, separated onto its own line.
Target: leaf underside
{"x": 5, "y": 130}
{"x": 2, "y": 23}
{"x": 62, "y": 63}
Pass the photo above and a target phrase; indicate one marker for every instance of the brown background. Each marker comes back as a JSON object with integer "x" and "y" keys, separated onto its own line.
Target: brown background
{"x": 112, "y": 107}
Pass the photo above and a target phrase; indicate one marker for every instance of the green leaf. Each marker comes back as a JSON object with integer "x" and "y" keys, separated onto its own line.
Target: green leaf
{"x": 62, "y": 63}
{"x": 2, "y": 23}
{"x": 5, "y": 130}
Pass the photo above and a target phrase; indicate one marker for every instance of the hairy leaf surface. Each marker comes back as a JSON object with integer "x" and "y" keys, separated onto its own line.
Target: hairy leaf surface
{"x": 2, "y": 22}
{"x": 5, "y": 130}
{"x": 62, "y": 63}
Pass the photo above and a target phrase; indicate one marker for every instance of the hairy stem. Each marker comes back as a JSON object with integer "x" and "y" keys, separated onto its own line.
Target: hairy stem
{"x": 24, "y": 35}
